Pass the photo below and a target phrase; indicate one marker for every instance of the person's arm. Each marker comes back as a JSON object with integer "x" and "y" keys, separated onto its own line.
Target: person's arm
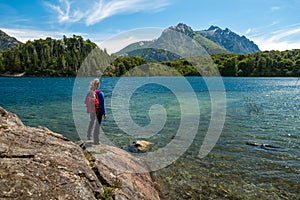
{"x": 85, "y": 100}
{"x": 102, "y": 104}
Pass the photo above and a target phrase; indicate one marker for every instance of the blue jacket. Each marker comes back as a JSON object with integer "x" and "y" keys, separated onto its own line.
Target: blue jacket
{"x": 101, "y": 102}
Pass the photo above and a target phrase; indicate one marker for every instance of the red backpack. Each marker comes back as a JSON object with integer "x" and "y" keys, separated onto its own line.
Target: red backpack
{"x": 92, "y": 102}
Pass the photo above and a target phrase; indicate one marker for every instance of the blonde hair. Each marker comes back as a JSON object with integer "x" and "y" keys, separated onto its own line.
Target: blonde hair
{"x": 93, "y": 85}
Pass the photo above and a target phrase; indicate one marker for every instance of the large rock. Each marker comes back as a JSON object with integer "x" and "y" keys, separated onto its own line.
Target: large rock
{"x": 39, "y": 164}
{"x": 117, "y": 166}
{"x": 36, "y": 163}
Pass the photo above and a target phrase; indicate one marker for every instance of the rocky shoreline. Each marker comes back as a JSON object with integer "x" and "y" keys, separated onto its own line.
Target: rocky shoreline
{"x": 36, "y": 163}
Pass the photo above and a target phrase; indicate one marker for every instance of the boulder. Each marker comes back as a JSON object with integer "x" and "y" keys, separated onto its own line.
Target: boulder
{"x": 140, "y": 146}
{"x": 36, "y": 163}
{"x": 117, "y": 166}
{"x": 39, "y": 164}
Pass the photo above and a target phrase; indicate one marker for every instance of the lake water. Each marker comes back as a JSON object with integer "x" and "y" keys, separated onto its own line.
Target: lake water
{"x": 262, "y": 110}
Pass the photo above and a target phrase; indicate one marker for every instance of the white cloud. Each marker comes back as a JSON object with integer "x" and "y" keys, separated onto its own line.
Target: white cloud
{"x": 248, "y": 31}
{"x": 275, "y": 8}
{"x": 97, "y": 10}
{"x": 121, "y": 40}
{"x": 283, "y": 39}
{"x": 256, "y": 32}
{"x": 103, "y": 40}
{"x": 63, "y": 13}
{"x": 279, "y": 35}
{"x": 24, "y": 35}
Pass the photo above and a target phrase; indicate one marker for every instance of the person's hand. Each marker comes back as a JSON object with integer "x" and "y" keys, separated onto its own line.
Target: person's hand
{"x": 104, "y": 116}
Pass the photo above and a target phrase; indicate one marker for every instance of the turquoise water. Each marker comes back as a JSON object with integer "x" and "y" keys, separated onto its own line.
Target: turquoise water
{"x": 262, "y": 110}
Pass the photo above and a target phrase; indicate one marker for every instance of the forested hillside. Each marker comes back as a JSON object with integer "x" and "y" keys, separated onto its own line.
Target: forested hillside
{"x": 261, "y": 64}
{"x": 267, "y": 64}
{"x": 49, "y": 57}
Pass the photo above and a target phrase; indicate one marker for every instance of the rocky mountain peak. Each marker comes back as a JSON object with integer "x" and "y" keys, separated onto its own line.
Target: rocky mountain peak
{"x": 213, "y": 28}
{"x": 214, "y": 40}
{"x": 227, "y": 30}
{"x": 183, "y": 28}
{"x": 228, "y": 39}
{"x": 7, "y": 41}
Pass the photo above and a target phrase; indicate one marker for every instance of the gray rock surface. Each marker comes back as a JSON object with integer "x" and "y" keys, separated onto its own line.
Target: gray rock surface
{"x": 114, "y": 164}
{"x": 7, "y": 41}
{"x": 36, "y": 163}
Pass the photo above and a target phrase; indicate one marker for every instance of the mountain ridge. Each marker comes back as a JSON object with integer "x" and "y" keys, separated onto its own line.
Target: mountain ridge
{"x": 7, "y": 41}
{"x": 214, "y": 40}
{"x": 231, "y": 41}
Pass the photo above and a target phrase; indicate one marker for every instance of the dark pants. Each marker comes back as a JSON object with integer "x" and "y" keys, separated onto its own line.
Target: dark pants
{"x": 93, "y": 117}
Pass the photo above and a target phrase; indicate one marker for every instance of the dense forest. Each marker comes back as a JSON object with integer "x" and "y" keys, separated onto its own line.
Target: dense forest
{"x": 48, "y": 57}
{"x": 53, "y": 57}
{"x": 261, "y": 64}
{"x": 267, "y": 64}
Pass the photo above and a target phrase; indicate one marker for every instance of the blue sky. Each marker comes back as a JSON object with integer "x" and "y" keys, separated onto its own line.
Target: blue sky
{"x": 271, "y": 24}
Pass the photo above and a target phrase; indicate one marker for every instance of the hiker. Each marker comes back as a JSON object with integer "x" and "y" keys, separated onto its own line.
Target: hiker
{"x": 95, "y": 107}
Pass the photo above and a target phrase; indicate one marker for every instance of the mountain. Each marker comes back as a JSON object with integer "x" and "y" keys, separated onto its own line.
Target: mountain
{"x": 231, "y": 41}
{"x": 154, "y": 55}
{"x": 183, "y": 41}
{"x": 7, "y": 41}
{"x": 210, "y": 46}
{"x": 135, "y": 46}
{"x": 175, "y": 42}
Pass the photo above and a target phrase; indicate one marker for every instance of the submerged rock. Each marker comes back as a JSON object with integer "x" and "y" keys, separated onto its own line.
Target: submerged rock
{"x": 140, "y": 146}
{"x": 262, "y": 145}
{"x": 36, "y": 163}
